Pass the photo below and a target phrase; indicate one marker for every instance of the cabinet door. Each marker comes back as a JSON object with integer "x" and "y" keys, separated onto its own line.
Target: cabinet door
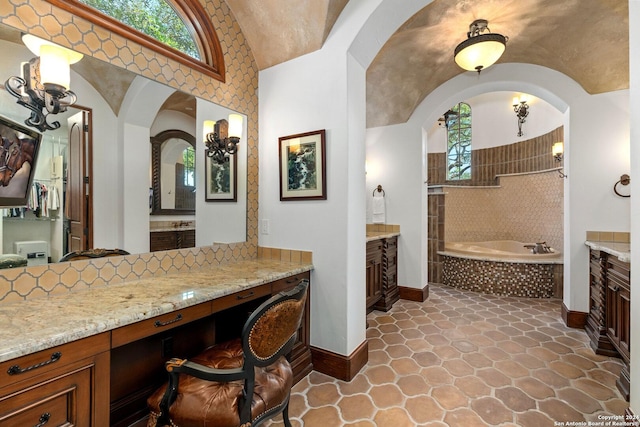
{"x": 62, "y": 401}
{"x": 374, "y": 272}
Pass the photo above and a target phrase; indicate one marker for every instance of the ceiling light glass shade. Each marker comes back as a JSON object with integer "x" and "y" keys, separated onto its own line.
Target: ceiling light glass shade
{"x": 480, "y": 52}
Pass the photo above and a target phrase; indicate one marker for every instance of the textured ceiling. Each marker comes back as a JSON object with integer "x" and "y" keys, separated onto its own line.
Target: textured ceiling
{"x": 588, "y": 40}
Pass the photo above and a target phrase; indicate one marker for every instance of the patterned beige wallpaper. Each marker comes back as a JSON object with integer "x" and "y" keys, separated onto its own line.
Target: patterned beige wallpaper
{"x": 239, "y": 92}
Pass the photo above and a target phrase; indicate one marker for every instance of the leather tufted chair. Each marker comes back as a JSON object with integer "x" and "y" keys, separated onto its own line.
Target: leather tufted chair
{"x": 239, "y": 383}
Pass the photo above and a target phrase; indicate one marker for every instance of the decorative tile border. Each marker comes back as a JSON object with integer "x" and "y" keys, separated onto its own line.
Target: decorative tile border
{"x": 503, "y": 278}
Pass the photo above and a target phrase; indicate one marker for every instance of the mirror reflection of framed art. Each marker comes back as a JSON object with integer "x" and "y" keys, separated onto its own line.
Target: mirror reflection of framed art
{"x": 303, "y": 166}
{"x": 221, "y": 179}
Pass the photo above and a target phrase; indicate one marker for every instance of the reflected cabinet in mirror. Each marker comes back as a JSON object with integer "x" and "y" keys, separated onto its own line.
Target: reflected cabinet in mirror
{"x": 173, "y": 186}
{"x": 127, "y": 112}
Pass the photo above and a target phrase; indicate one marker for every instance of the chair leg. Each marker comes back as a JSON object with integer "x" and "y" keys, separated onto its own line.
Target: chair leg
{"x": 285, "y": 416}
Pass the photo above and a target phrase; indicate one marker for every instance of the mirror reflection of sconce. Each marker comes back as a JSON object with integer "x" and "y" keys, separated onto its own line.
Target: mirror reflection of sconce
{"x": 44, "y": 85}
{"x": 624, "y": 180}
{"x": 222, "y": 137}
{"x": 521, "y": 109}
{"x": 558, "y": 153}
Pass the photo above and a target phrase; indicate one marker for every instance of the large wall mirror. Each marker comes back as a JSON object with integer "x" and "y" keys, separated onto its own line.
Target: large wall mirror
{"x": 126, "y": 112}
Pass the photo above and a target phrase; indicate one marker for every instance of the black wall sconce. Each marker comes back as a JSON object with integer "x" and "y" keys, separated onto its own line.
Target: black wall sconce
{"x": 521, "y": 109}
{"x": 44, "y": 85}
{"x": 558, "y": 153}
{"x": 222, "y": 137}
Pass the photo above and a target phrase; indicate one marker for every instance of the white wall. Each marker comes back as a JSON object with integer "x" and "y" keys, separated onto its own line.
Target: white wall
{"x": 634, "y": 107}
{"x": 322, "y": 90}
{"x": 494, "y": 122}
{"x": 395, "y": 160}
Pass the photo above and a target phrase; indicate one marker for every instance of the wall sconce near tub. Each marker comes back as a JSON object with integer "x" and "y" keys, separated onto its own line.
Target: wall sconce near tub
{"x": 222, "y": 137}
{"x": 521, "y": 109}
{"x": 558, "y": 153}
{"x": 479, "y": 51}
{"x": 44, "y": 85}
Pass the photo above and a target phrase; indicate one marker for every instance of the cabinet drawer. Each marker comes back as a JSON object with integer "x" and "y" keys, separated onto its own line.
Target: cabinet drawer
{"x": 241, "y": 297}
{"x": 288, "y": 282}
{"x": 164, "y": 322}
{"x": 45, "y": 361}
{"x": 62, "y": 401}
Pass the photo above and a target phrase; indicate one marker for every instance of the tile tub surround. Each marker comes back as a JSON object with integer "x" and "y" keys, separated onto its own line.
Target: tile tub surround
{"x": 38, "y": 324}
{"x": 466, "y": 359}
{"x": 503, "y": 278}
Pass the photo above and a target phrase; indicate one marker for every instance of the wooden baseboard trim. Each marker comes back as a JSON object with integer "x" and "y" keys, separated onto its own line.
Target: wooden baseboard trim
{"x": 573, "y": 319}
{"x": 413, "y": 294}
{"x": 338, "y": 366}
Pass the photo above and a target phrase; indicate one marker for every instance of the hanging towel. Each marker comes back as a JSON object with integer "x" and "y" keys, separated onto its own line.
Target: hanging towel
{"x": 377, "y": 207}
{"x": 54, "y": 199}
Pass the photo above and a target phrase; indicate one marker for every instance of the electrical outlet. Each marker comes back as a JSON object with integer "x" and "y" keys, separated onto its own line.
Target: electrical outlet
{"x": 265, "y": 226}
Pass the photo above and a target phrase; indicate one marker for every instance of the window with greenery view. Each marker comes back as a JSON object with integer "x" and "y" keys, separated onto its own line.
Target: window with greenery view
{"x": 189, "y": 162}
{"x": 155, "y": 18}
{"x": 458, "y": 123}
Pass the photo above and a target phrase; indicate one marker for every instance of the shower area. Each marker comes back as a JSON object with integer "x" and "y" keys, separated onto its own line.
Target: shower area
{"x": 499, "y": 230}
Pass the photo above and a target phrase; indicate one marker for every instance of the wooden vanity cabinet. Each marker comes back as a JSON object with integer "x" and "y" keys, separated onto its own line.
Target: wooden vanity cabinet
{"x": 608, "y": 321}
{"x": 67, "y": 385}
{"x": 618, "y": 315}
{"x": 374, "y": 273}
{"x": 390, "y": 290}
{"x": 167, "y": 240}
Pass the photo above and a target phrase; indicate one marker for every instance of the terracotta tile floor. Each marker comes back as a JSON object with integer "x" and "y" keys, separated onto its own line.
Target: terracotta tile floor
{"x": 464, "y": 359}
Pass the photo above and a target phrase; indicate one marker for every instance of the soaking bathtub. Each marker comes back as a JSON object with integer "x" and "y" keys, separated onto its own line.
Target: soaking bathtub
{"x": 502, "y": 267}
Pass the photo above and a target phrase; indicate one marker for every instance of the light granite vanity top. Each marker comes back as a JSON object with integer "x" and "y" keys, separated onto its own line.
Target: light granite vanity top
{"x": 620, "y": 250}
{"x": 375, "y": 235}
{"x": 34, "y": 325}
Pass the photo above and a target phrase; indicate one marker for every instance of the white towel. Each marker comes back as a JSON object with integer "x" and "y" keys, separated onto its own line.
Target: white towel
{"x": 377, "y": 207}
{"x": 54, "y": 199}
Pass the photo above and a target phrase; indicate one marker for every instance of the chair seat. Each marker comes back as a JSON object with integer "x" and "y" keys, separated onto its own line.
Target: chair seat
{"x": 217, "y": 403}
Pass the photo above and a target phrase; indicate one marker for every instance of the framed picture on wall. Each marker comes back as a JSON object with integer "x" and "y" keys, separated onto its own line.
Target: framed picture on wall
{"x": 303, "y": 166}
{"x": 19, "y": 148}
{"x": 221, "y": 179}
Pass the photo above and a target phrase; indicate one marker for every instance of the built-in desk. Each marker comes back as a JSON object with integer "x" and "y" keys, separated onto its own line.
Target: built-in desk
{"x": 84, "y": 357}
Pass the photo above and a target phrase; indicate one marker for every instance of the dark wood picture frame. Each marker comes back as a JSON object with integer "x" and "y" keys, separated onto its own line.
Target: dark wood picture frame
{"x": 230, "y": 169}
{"x": 303, "y": 166}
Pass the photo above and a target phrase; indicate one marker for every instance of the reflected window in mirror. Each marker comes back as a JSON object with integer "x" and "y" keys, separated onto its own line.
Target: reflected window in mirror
{"x": 173, "y": 173}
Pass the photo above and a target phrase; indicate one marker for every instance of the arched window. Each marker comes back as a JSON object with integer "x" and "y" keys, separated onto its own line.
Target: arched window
{"x": 178, "y": 29}
{"x": 155, "y": 18}
{"x": 458, "y": 123}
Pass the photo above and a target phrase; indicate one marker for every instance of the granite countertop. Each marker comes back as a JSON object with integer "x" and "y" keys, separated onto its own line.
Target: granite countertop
{"x": 34, "y": 325}
{"x": 158, "y": 229}
{"x": 375, "y": 235}
{"x": 620, "y": 250}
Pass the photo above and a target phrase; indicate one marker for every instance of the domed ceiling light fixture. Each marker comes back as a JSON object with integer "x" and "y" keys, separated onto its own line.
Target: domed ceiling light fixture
{"x": 479, "y": 51}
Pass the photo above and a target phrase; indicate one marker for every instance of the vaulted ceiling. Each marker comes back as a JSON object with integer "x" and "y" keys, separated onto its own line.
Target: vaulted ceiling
{"x": 588, "y": 40}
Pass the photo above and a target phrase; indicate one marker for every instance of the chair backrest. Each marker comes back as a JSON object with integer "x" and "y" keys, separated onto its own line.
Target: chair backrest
{"x": 92, "y": 253}
{"x": 271, "y": 329}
